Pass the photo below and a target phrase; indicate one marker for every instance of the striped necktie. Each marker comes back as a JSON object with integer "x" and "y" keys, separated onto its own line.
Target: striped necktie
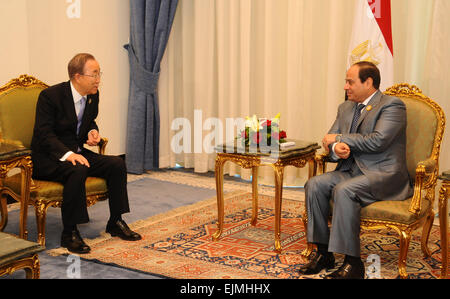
{"x": 347, "y": 164}
{"x": 356, "y": 117}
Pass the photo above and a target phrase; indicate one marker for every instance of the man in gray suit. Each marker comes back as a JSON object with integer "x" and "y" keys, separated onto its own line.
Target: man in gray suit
{"x": 368, "y": 140}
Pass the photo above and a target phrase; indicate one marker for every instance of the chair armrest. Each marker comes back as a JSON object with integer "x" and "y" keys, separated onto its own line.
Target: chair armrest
{"x": 429, "y": 165}
{"x": 425, "y": 178}
{"x": 102, "y": 145}
{"x": 321, "y": 163}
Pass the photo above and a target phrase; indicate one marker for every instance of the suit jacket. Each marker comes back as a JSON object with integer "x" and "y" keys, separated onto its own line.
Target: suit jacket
{"x": 379, "y": 144}
{"x": 55, "y": 129}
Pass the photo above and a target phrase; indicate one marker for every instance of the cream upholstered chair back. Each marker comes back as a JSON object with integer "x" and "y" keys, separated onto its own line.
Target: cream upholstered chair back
{"x": 18, "y": 101}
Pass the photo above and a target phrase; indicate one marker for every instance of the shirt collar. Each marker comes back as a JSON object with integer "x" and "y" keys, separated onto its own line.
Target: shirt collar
{"x": 369, "y": 98}
{"x": 76, "y": 95}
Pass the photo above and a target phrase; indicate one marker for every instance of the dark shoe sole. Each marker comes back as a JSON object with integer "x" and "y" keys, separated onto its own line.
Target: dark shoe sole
{"x": 114, "y": 234}
{"x": 76, "y": 250}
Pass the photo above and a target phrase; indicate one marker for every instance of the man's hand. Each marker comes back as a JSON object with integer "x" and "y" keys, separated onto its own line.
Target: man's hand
{"x": 327, "y": 140}
{"x": 342, "y": 150}
{"x": 76, "y": 158}
{"x": 93, "y": 138}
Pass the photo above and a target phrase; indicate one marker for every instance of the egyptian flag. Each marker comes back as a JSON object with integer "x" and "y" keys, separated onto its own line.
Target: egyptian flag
{"x": 372, "y": 38}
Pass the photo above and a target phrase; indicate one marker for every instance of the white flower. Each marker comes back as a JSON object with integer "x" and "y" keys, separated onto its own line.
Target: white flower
{"x": 252, "y": 123}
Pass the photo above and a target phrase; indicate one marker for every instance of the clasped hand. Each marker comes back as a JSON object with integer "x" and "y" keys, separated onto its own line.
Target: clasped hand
{"x": 342, "y": 150}
{"x": 93, "y": 140}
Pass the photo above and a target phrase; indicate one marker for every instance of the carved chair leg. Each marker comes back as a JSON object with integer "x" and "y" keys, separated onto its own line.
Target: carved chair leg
{"x": 309, "y": 249}
{"x": 405, "y": 238}
{"x": 41, "y": 214}
{"x": 426, "y": 234}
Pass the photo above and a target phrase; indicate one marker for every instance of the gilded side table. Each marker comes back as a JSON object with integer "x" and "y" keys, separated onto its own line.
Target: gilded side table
{"x": 14, "y": 155}
{"x": 298, "y": 155}
{"x": 444, "y": 194}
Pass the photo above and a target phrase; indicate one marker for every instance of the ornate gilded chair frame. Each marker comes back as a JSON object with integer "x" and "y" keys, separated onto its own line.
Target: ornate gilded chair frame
{"x": 424, "y": 183}
{"x": 41, "y": 205}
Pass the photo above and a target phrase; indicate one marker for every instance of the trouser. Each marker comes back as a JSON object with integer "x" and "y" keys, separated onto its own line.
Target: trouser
{"x": 349, "y": 191}
{"x": 74, "y": 207}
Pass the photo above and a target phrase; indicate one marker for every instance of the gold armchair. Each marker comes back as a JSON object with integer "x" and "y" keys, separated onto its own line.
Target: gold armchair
{"x": 425, "y": 129}
{"x": 18, "y": 101}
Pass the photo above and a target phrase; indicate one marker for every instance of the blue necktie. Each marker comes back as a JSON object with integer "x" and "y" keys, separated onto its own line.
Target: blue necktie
{"x": 80, "y": 113}
{"x": 347, "y": 164}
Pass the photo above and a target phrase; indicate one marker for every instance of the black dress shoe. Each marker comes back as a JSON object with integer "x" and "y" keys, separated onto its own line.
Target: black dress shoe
{"x": 348, "y": 271}
{"x": 74, "y": 243}
{"x": 317, "y": 263}
{"x": 121, "y": 230}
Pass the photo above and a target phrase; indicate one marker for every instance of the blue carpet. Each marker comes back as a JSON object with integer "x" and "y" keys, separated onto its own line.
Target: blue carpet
{"x": 147, "y": 197}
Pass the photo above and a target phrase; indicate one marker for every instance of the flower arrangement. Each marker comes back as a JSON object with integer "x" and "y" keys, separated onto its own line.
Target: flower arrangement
{"x": 258, "y": 130}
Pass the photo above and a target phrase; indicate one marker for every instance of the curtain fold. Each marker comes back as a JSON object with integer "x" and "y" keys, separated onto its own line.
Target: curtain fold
{"x": 151, "y": 23}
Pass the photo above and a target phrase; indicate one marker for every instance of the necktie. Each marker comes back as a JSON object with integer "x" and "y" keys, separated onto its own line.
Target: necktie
{"x": 347, "y": 164}
{"x": 80, "y": 113}
{"x": 356, "y": 117}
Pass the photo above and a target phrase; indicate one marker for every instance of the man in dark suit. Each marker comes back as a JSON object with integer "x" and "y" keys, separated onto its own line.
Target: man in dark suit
{"x": 368, "y": 140}
{"x": 65, "y": 121}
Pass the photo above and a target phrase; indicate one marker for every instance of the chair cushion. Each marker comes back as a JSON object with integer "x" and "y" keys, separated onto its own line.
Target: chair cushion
{"x": 392, "y": 211}
{"x": 13, "y": 248}
{"x": 52, "y": 190}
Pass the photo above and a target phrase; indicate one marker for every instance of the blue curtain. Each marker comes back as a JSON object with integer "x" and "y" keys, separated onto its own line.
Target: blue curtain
{"x": 151, "y": 22}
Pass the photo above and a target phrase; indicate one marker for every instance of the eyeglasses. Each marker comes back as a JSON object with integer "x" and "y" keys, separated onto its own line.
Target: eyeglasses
{"x": 96, "y": 76}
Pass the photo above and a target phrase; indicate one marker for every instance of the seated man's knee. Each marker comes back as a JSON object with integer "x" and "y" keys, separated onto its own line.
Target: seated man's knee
{"x": 79, "y": 171}
{"x": 315, "y": 183}
{"x": 342, "y": 192}
{"x": 118, "y": 164}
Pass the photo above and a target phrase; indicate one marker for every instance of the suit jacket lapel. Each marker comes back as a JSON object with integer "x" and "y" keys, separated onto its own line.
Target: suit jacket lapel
{"x": 69, "y": 105}
{"x": 349, "y": 117}
{"x": 374, "y": 103}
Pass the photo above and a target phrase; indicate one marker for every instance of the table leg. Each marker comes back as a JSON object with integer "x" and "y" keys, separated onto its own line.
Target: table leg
{"x": 312, "y": 169}
{"x": 220, "y": 204}
{"x": 255, "y": 195}
{"x": 444, "y": 193}
{"x": 25, "y": 196}
{"x": 279, "y": 171}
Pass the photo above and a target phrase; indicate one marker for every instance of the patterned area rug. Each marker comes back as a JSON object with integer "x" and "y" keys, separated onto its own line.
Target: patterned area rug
{"x": 178, "y": 244}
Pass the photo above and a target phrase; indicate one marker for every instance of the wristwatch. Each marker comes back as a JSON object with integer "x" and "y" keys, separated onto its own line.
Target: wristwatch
{"x": 338, "y": 138}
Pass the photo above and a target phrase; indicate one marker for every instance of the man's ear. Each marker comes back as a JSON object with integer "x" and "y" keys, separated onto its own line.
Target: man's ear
{"x": 369, "y": 82}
